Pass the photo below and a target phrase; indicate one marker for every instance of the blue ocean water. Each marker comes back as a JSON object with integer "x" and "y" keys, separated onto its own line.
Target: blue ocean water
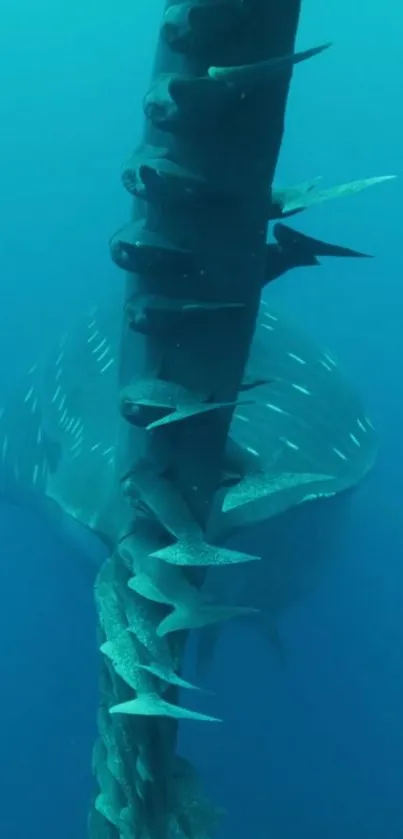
{"x": 314, "y": 749}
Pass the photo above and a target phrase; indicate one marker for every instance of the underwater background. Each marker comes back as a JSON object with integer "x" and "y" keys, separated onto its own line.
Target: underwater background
{"x": 313, "y": 748}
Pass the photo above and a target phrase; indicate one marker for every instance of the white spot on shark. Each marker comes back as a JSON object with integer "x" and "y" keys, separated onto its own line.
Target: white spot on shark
{"x": 29, "y": 394}
{"x": 274, "y": 408}
{"x": 252, "y": 451}
{"x": 77, "y": 445}
{"x": 92, "y": 337}
{"x": 339, "y": 453}
{"x": 330, "y": 359}
{"x": 267, "y": 326}
{"x": 301, "y": 389}
{"x": 290, "y": 444}
{"x": 241, "y": 417}
{"x": 325, "y": 365}
{"x": 361, "y": 425}
{"x": 368, "y": 421}
{"x": 296, "y": 358}
{"x": 102, "y": 356}
{"x": 66, "y": 422}
{"x": 56, "y": 394}
{"x": 354, "y": 439}
{"x": 35, "y": 473}
{"x": 77, "y": 425}
{"x": 99, "y": 346}
{"x": 107, "y": 365}
{"x": 76, "y": 450}
{"x": 4, "y": 448}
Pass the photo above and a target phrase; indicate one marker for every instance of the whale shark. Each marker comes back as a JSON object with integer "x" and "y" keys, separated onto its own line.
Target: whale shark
{"x": 58, "y": 435}
{"x": 303, "y": 436}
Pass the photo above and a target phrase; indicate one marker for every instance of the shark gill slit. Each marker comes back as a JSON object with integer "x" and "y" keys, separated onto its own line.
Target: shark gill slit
{"x": 201, "y": 204}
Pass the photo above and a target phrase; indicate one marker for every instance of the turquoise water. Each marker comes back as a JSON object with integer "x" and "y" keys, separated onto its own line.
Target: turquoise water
{"x": 314, "y": 749}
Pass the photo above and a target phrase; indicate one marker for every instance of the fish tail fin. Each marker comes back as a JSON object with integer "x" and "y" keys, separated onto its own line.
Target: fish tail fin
{"x": 306, "y": 247}
{"x": 151, "y": 705}
{"x": 203, "y": 615}
{"x": 167, "y": 674}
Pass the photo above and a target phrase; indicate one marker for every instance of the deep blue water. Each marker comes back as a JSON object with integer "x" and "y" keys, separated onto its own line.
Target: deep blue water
{"x": 314, "y": 749}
